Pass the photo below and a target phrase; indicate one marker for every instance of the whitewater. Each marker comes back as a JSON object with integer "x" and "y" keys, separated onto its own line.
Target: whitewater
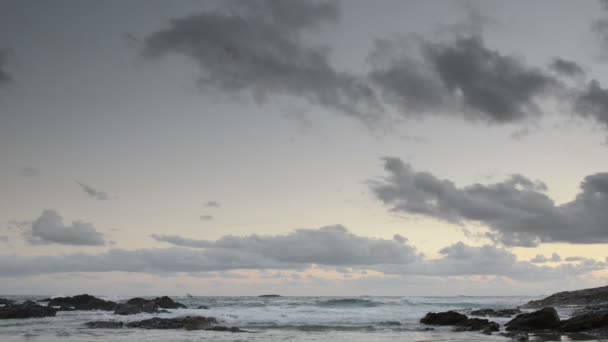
{"x": 333, "y": 319}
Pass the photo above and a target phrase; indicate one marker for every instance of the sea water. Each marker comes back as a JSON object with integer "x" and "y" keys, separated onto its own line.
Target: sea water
{"x": 332, "y": 319}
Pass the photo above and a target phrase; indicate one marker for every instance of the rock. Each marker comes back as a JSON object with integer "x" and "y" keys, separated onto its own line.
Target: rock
{"x": 495, "y": 313}
{"x": 83, "y": 302}
{"x": 203, "y": 307}
{"x": 444, "y": 318}
{"x": 26, "y": 310}
{"x": 517, "y": 336}
{"x": 585, "y": 322}
{"x": 66, "y": 308}
{"x": 590, "y": 309}
{"x": 4, "y": 301}
{"x": 542, "y": 319}
{"x": 105, "y": 324}
{"x": 591, "y": 296}
{"x": 187, "y": 322}
{"x": 228, "y": 329}
{"x": 127, "y": 309}
{"x": 270, "y": 296}
{"x": 478, "y": 324}
{"x": 168, "y": 303}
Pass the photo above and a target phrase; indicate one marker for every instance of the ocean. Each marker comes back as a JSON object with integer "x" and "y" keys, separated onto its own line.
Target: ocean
{"x": 332, "y": 319}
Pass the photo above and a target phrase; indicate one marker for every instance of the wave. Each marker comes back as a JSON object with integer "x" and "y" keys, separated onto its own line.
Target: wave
{"x": 349, "y": 303}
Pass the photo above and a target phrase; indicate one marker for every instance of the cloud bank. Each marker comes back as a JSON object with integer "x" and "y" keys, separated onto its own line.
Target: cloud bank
{"x": 517, "y": 211}
{"x": 94, "y": 193}
{"x": 332, "y": 247}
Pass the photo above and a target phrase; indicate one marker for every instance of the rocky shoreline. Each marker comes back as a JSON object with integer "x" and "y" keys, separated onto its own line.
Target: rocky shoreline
{"x": 585, "y": 315}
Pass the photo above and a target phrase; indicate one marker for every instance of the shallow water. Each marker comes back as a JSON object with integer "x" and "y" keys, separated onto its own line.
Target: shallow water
{"x": 277, "y": 319}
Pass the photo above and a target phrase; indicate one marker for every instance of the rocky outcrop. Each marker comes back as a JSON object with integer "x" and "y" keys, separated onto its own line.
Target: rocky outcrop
{"x": 444, "y": 318}
{"x": 478, "y": 324}
{"x": 187, "y": 322}
{"x": 495, "y": 313}
{"x": 586, "y": 322}
{"x": 105, "y": 325}
{"x": 168, "y": 303}
{"x": 270, "y": 296}
{"x": 591, "y": 296}
{"x": 83, "y": 302}
{"x": 140, "y": 305}
{"x": 26, "y": 310}
{"x": 462, "y": 322}
{"x": 4, "y": 301}
{"x": 543, "y": 319}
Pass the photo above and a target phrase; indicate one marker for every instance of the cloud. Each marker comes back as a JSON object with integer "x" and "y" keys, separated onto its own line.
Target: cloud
{"x": 575, "y": 258}
{"x": 540, "y": 259}
{"x": 207, "y": 217}
{"x": 5, "y": 77}
{"x": 566, "y": 67}
{"x": 328, "y": 248}
{"x": 420, "y": 76}
{"x": 517, "y": 211}
{"x": 212, "y": 204}
{"x": 331, "y": 245}
{"x": 96, "y": 194}
{"x": 49, "y": 228}
{"x": 592, "y": 102}
{"x": 257, "y": 47}
{"x": 30, "y": 172}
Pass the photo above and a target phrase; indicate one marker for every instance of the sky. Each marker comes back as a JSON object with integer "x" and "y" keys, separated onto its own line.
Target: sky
{"x": 303, "y": 147}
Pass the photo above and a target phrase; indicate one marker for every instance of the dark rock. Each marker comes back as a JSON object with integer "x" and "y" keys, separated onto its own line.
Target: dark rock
{"x": 26, "y": 310}
{"x": 127, "y": 309}
{"x": 516, "y": 336}
{"x": 545, "y": 318}
{"x": 83, "y": 302}
{"x": 495, "y": 313}
{"x": 590, "y": 309}
{"x": 4, "y": 301}
{"x": 203, "y": 307}
{"x": 138, "y": 301}
{"x": 105, "y": 325}
{"x": 270, "y": 296}
{"x": 187, "y": 322}
{"x": 228, "y": 329}
{"x": 585, "y": 322}
{"x": 444, "y": 318}
{"x": 592, "y": 296}
{"x": 44, "y": 300}
{"x": 168, "y": 303}
{"x": 478, "y": 324}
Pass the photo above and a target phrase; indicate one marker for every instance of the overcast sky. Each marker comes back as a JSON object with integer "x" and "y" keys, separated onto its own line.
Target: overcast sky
{"x": 303, "y": 147}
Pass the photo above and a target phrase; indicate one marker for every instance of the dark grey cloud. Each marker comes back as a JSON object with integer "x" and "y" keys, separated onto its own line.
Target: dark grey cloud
{"x": 5, "y": 77}
{"x": 332, "y": 245}
{"x": 541, "y": 259}
{"x": 257, "y": 47}
{"x": 329, "y": 247}
{"x": 592, "y": 102}
{"x": 30, "y": 172}
{"x": 94, "y": 193}
{"x": 566, "y": 67}
{"x": 517, "y": 211}
{"x": 212, "y": 204}
{"x": 418, "y": 75}
{"x": 49, "y": 228}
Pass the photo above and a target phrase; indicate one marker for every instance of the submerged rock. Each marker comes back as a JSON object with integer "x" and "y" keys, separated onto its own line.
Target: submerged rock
{"x": 168, "y": 303}
{"x": 203, "y": 307}
{"x": 270, "y": 296}
{"x": 105, "y": 324}
{"x": 444, "y": 318}
{"x": 591, "y": 296}
{"x": 478, "y": 324}
{"x": 546, "y": 318}
{"x": 83, "y": 302}
{"x": 26, "y": 310}
{"x": 138, "y": 305}
{"x": 187, "y": 322}
{"x": 495, "y": 313}
{"x": 227, "y": 329}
